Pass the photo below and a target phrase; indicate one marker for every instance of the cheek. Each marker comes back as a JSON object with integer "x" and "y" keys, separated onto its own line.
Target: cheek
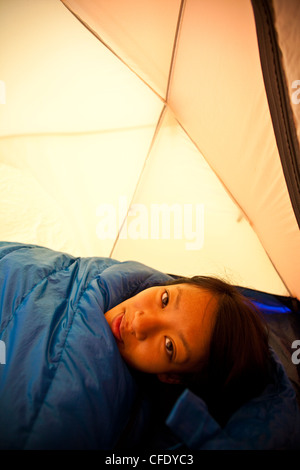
{"x": 141, "y": 355}
{"x": 112, "y": 313}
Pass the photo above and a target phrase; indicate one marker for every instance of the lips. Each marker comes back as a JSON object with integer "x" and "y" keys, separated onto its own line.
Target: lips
{"x": 115, "y": 326}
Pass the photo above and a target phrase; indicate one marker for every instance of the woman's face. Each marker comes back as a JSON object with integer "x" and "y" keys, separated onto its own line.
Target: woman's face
{"x": 164, "y": 330}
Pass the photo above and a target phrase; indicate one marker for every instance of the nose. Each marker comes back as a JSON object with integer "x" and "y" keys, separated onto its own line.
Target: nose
{"x": 144, "y": 324}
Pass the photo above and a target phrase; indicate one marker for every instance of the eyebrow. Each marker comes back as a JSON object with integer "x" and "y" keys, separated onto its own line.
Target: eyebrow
{"x": 182, "y": 338}
{"x": 186, "y": 347}
{"x": 178, "y": 296}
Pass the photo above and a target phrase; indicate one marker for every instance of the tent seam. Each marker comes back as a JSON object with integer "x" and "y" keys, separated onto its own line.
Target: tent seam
{"x": 175, "y": 46}
{"x": 251, "y": 223}
{"x": 112, "y": 51}
{"x": 158, "y": 126}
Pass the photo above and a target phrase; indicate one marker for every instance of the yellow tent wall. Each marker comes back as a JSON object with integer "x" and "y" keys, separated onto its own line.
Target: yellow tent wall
{"x": 145, "y": 135}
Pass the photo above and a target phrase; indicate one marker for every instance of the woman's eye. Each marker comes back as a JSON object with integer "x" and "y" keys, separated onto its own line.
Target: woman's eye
{"x": 165, "y": 299}
{"x": 169, "y": 347}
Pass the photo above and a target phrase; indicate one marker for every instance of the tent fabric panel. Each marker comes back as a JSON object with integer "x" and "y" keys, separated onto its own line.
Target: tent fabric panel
{"x": 55, "y": 189}
{"x": 75, "y": 115}
{"x": 62, "y": 79}
{"x": 198, "y": 222}
{"x": 127, "y": 29}
{"x": 37, "y": 218}
{"x": 225, "y": 111}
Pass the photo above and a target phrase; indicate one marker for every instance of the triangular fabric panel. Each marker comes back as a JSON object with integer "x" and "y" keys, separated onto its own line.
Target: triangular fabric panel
{"x": 205, "y": 232}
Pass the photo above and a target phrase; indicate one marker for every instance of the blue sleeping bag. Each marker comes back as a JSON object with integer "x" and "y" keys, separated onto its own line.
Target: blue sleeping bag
{"x": 64, "y": 384}
{"x": 268, "y": 422}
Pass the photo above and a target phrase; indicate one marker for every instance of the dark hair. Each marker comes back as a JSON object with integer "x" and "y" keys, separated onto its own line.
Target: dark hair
{"x": 238, "y": 365}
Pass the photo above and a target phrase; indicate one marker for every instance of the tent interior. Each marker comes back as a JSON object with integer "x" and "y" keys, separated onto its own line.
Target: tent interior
{"x": 141, "y": 130}
{"x": 165, "y": 110}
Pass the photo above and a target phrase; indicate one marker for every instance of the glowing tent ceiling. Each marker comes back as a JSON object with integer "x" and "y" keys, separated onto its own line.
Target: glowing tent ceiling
{"x": 150, "y": 139}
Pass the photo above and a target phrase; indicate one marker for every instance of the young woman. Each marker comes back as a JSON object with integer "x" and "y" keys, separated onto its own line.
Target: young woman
{"x": 201, "y": 333}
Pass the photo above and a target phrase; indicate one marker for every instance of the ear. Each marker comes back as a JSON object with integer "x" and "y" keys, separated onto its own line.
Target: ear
{"x": 170, "y": 378}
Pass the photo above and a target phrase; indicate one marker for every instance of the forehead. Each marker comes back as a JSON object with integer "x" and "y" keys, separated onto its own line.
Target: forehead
{"x": 195, "y": 302}
{"x": 195, "y": 318}
{"x": 192, "y": 297}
